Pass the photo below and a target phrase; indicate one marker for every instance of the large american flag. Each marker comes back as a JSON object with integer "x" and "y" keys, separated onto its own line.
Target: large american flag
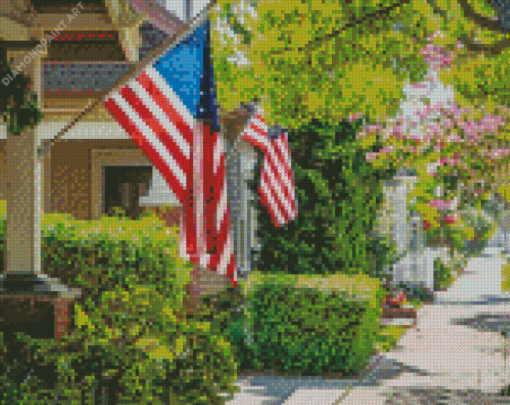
{"x": 170, "y": 112}
{"x": 276, "y": 187}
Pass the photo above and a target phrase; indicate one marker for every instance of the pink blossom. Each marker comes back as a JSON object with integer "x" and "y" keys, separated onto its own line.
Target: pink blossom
{"x": 385, "y": 150}
{"x": 449, "y": 220}
{"x": 499, "y": 152}
{"x": 371, "y": 156}
{"x": 446, "y": 61}
{"x": 454, "y": 138}
{"x": 374, "y": 128}
{"x": 398, "y": 129}
{"x": 440, "y": 203}
{"x": 355, "y": 117}
{"x": 435, "y": 128}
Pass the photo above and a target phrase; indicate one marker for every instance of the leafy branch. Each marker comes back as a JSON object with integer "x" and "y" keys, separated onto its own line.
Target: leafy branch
{"x": 313, "y": 44}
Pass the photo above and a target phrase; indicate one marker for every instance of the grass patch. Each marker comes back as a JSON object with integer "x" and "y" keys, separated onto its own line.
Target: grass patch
{"x": 389, "y": 336}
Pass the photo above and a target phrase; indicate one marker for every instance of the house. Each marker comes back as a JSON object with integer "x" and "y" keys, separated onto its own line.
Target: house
{"x": 96, "y": 166}
{"x": 416, "y": 259}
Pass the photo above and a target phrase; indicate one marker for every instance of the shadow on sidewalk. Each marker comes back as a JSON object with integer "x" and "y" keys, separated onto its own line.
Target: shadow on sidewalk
{"x": 280, "y": 388}
{"x": 386, "y": 369}
{"x": 441, "y": 396}
{"x": 486, "y": 322}
{"x": 485, "y": 300}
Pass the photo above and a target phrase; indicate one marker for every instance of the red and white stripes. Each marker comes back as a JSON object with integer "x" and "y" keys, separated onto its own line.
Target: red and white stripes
{"x": 223, "y": 260}
{"x": 276, "y": 188}
{"x": 150, "y": 111}
{"x": 190, "y": 156}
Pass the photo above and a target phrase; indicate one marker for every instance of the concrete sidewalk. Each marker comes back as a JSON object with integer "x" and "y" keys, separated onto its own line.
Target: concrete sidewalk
{"x": 453, "y": 356}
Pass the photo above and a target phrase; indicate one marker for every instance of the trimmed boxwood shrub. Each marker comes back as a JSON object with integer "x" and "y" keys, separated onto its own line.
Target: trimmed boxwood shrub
{"x": 309, "y": 325}
{"x": 133, "y": 334}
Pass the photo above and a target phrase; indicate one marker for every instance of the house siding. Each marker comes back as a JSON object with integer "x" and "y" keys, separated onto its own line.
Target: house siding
{"x": 71, "y": 174}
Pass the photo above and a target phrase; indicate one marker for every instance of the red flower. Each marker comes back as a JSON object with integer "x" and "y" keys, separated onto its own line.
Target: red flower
{"x": 426, "y": 225}
{"x": 449, "y": 220}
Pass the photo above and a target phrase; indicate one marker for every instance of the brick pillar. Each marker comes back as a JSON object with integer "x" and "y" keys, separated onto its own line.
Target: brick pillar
{"x": 39, "y": 316}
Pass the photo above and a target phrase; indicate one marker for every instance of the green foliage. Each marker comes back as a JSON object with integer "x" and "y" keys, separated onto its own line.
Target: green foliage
{"x": 384, "y": 252}
{"x": 118, "y": 212}
{"x": 98, "y": 256}
{"x": 505, "y": 276}
{"x": 483, "y": 225}
{"x": 132, "y": 333}
{"x": 17, "y": 101}
{"x": 311, "y": 325}
{"x": 328, "y": 59}
{"x": 389, "y": 337}
{"x": 25, "y": 117}
{"x": 338, "y": 195}
{"x": 442, "y": 275}
{"x": 227, "y": 314}
{"x": 319, "y": 59}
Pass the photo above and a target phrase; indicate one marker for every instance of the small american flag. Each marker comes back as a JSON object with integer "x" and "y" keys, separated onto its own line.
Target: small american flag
{"x": 277, "y": 189}
{"x": 170, "y": 112}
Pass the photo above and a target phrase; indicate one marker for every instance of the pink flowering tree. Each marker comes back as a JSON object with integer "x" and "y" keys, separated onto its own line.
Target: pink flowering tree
{"x": 456, "y": 160}
{"x": 456, "y": 153}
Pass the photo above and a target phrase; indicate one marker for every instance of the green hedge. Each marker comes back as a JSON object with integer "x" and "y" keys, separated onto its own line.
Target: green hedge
{"x": 306, "y": 325}
{"x": 132, "y": 330}
{"x": 338, "y": 196}
{"x": 442, "y": 275}
{"x": 98, "y": 256}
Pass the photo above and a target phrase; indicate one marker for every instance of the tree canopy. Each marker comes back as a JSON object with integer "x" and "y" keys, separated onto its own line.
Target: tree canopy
{"x": 331, "y": 59}
{"x": 327, "y": 59}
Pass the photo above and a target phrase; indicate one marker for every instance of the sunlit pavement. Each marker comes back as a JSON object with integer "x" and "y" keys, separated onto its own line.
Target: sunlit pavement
{"x": 453, "y": 356}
